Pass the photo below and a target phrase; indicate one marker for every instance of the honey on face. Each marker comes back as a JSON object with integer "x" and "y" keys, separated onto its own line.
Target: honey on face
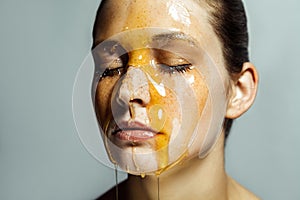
{"x": 163, "y": 109}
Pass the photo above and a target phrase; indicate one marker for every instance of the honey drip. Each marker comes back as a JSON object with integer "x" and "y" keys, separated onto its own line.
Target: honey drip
{"x": 158, "y": 188}
{"x": 106, "y": 141}
{"x": 143, "y": 175}
{"x": 117, "y": 182}
{"x": 159, "y": 121}
{"x": 134, "y": 160}
{"x": 179, "y": 161}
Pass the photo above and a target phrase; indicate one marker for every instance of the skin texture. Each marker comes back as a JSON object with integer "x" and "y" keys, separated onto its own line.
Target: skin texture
{"x": 202, "y": 178}
{"x": 180, "y": 20}
{"x": 170, "y": 104}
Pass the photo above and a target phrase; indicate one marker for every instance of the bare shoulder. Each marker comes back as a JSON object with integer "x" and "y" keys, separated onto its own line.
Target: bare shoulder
{"x": 238, "y": 192}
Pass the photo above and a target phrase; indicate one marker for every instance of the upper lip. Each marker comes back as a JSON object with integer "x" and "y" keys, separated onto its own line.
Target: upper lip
{"x": 134, "y": 125}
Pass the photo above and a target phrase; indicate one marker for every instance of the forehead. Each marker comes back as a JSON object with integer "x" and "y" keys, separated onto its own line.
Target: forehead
{"x": 181, "y": 15}
{"x": 189, "y": 17}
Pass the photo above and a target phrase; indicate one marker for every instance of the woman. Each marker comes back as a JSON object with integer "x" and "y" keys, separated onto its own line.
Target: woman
{"x": 170, "y": 77}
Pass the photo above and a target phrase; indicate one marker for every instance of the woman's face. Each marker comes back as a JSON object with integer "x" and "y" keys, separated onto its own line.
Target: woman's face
{"x": 152, "y": 93}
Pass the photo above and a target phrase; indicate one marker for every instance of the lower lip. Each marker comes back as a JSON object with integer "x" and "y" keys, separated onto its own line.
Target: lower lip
{"x": 135, "y": 135}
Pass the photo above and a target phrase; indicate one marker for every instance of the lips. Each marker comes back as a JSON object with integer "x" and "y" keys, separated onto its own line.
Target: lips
{"x": 134, "y": 131}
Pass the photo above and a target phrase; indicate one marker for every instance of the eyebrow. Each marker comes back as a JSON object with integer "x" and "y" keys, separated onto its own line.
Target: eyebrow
{"x": 174, "y": 36}
{"x": 163, "y": 39}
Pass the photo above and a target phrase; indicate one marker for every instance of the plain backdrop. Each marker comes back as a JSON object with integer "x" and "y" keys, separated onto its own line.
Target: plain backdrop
{"x": 42, "y": 45}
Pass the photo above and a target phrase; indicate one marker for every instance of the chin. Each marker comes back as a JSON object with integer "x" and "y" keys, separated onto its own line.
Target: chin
{"x": 142, "y": 157}
{"x": 133, "y": 158}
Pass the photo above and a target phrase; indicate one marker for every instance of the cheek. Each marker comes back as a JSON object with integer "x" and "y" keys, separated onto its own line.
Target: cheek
{"x": 162, "y": 111}
{"x": 166, "y": 113}
{"x": 200, "y": 90}
{"x": 103, "y": 97}
{"x": 175, "y": 138}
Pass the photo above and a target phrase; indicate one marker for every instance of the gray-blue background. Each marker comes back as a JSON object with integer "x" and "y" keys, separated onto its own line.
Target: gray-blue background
{"x": 43, "y": 43}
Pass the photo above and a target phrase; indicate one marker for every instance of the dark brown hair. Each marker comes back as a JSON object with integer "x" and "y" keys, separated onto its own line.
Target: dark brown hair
{"x": 228, "y": 18}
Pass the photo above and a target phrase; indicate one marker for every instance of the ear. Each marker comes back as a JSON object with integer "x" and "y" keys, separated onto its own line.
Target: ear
{"x": 243, "y": 91}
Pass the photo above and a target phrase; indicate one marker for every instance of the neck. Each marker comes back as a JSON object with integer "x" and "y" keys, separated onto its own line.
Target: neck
{"x": 194, "y": 179}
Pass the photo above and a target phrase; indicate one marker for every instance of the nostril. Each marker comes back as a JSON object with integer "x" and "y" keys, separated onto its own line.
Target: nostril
{"x": 137, "y": 101}
{"x": 135, "y": 106}
{"x": 134, "y": 88}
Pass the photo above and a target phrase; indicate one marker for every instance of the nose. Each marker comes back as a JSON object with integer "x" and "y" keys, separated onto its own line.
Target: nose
{"x": 134, "y": 88}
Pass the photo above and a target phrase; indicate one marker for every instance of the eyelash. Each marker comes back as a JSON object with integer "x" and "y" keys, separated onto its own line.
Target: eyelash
{"x": 175, "y": 68}
{"x": 172, "y": 69}
{"x": 112, "y": 72}
{"x": 119, "y": 64}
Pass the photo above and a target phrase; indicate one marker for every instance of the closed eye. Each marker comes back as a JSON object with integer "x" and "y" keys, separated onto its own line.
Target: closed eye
{"x": 175, "y": 68}
{"x": 116, "y": 67}
{"x": 112, "y": 72}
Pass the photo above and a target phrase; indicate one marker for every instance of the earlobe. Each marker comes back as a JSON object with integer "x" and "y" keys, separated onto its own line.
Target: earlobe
{"x": 243, "y": 92}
